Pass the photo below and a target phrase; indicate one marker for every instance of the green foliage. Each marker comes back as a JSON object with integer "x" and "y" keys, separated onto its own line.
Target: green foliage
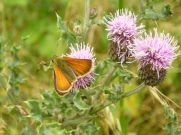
{"x": 79, "y": 103}
{"x": 12, "y": 79}
{"x": 172, "y": 126}
{"x": 52, "y": 129}
{"x": 155, "y": 10}
{"x": 35, "y": 110}
{"x": 65, "y": 33}
{"x": 89, "y": 128}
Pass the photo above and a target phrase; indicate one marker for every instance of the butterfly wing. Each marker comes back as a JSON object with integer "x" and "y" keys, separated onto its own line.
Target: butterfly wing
{"x": 80, "y": 66}
{"x": 62, "y": 84}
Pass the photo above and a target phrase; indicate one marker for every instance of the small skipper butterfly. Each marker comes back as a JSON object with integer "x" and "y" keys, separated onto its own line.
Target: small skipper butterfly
{"x": 67, "y": 70}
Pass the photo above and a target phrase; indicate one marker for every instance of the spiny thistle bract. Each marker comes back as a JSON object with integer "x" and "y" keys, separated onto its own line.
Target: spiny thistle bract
{"x": 150, "y": 77}
{"x": 83, "y": 51}
{"x": 155, "y": 53}
{"x": 122, "y": 30}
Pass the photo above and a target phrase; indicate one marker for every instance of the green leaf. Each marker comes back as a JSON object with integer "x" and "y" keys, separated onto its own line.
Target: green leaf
{"x": 89, "y": 128}
{"x": 171, "y": 127}
{"x": 52, "y": 129}
{"x": 26, "y": 131}
{"x": 79, "y": 103}
{"x": 151, "y": 14}
{"x": 156, "y": 11}
{"x": 60, "y": 24}
{"x": 35, "y": 109}
{"x": 166, "y": 11}
{"x": 124, "y": 75}
{"x": 66, "y": 34}
{"x": 14, "y": 110}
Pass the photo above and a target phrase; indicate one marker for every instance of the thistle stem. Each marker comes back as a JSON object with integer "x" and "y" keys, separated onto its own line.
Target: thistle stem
{"x": 127, "y": 94}
{"x": 136, "y": 90}
{"x": 86, "y": 19}
{"x": 106, "y": 81}
{"x": 140, "y": 6}
{"x": 109, "y": 76}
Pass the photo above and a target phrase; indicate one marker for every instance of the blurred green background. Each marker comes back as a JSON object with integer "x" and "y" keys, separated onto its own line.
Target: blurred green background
{"x": 36, "y": 21}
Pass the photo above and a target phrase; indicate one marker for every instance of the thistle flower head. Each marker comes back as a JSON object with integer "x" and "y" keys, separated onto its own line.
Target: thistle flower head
{"x": 122, "y": 30}
{"x": 122, "y": 27}
{"x": 156, "y": 50}
{"x": 83, "y": 51}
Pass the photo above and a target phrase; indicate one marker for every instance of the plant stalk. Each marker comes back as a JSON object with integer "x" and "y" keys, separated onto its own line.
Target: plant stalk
{"x": 127, "y": 94}
{"x": 106, "y": 81}
{"x": 86, "y": 19}
{"x": 136, "y": 90}
{"x": 108, "y": 78}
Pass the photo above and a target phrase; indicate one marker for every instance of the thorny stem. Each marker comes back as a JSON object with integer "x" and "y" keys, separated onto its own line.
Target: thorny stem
{"x": 127, "y": 94}
{"x": 140, "y": 6}
{"x": 136, "y": 90}
{"x": 141, "y": 9}
{"x": 86, "y": 18}
{"x": 108, "y": 78}
{"x": 106, "y": 81}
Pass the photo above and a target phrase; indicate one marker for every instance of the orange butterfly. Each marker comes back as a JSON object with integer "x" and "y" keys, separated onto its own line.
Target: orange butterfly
{"x": 67, "y": 70}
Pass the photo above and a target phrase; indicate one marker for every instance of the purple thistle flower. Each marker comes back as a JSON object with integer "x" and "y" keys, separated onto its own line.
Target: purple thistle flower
{"x": 122, "y": 30}
{"x": 157, "y": 50}
{"x": 83, "y": 51}
{"x": 122, "y": 27}
{"x": 155, "y": 53}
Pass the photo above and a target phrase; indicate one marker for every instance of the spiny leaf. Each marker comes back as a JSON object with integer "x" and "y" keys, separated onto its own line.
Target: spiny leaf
{"x": 26, "y": 131}
{"x": 52, "y": 129}
{"x": 66, "y": 34}
{"x": 171, "y": 127}
{"x": 79, "y": 103}
{"x": 150, "y": 12}
{"x": 166, "y": 11}
{"x": 89, "y": 128}
{"x": 35, "y": 109}
{"x": 60, "y": 24}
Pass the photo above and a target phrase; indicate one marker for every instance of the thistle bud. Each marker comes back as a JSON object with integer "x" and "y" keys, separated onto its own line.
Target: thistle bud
{"x": 77, "y": 29}
{"x": 93, "y": 13}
